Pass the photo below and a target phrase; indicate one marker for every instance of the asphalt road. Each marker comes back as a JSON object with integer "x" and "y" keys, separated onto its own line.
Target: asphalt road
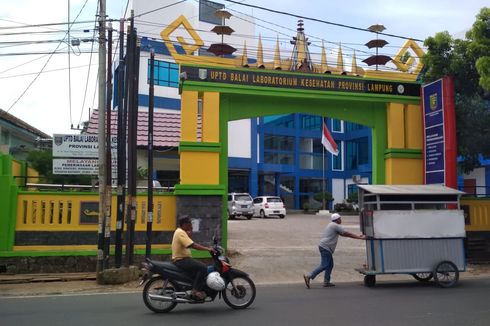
{"x": 389, "y": 303}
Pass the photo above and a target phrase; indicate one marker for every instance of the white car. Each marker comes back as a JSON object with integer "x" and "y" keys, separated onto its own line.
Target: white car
{"x": 265, "y": 206}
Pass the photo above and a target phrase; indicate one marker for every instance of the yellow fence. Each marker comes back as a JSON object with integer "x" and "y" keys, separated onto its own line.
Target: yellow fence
{"x": 75, "y": 215}
{"x": 478, "y": 213}
{"x": 50, "y": 212}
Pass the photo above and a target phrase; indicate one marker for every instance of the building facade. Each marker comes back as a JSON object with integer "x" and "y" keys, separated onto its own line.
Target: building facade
{"x": 271, "y": 155}
{"x": 17, "y": 137}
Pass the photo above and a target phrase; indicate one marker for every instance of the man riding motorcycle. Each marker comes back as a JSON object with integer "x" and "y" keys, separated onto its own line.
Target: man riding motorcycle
{"x": 182, "y": 258}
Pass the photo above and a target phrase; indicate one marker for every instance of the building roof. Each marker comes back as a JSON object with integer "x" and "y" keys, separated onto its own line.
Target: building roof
{"x": 166, "y": 128}
{"x": 410, "y": 190}
{"x": 4, "y": 115}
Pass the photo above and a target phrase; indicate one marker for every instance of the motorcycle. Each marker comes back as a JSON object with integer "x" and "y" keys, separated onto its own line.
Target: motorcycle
{"x": 167, "y": 285}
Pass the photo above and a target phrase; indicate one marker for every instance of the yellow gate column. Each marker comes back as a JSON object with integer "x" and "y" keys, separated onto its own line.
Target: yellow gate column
{"x": 403, "y": 157}
{"x": 199, "y": 151}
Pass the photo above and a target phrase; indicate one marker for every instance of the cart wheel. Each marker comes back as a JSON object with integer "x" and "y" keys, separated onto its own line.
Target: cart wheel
{"x": 423, "y": 277}
{"x": 446, "y": 274}
{"x": 370, "y": 280}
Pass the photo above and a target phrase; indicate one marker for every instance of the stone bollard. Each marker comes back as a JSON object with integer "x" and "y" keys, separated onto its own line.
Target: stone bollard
{"x": 119, "y": 275}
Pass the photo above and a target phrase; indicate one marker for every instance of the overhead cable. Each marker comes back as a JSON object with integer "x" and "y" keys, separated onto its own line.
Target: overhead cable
{"x": 320, "y": 20}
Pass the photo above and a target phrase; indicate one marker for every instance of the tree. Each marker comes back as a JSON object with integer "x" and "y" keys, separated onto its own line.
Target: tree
{"x": 320, "y": 195}
{"x": 468, "y": 62}
{"x": 42, "y": 162}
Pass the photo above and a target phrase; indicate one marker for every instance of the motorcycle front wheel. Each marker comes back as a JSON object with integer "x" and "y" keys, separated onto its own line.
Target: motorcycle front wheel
{"x": 155, "y": 286}
{"x": 239, "y": 292}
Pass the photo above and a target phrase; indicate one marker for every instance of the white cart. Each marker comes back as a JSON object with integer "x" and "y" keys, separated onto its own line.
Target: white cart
{"x": 412, "y": 229}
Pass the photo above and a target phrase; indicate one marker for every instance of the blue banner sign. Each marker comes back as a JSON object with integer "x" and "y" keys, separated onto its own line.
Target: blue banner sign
{"x": 434, "y": 133}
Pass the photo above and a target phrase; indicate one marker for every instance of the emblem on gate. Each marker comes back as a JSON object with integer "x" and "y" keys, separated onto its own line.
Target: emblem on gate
{"x": 58, "y": 140}
{"x": 203, "y": 74}
{"x": 433, "y": 101}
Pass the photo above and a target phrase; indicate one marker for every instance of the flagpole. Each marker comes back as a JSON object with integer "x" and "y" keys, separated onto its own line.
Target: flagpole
{"x": 323, "y": 176}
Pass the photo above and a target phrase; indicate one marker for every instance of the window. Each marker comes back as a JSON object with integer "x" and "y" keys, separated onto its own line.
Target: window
{"x": 274, "y": 200}
{"x": 351, "y": 189}
{"x": 337, "y": 125}
{"x": 5, "y": 138}
{"x": 350, "y": 126}
{"x": 277, "y": 142}
{"x": 207, "y": 11}
{"x": 278, "y": 158}
{"x": 278, "y": 149}
{"x": 306, "y": 145}
{"x": 311, "y": 122}
{"x": 311, "y": 161}
{"x": 311, "y": 153}
{"x": 283, "y": 121}
{"x": 310, "y": 185}
{"x": 337, "y": 164}
{"x": 243, "y": 198}
{"x": 165, "y": 74}
{"x": 287, "y": 183}
{"x": 356, "y": 153}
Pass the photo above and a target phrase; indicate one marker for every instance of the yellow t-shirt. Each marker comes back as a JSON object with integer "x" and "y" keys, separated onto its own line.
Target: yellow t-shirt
{"x": 180, "y": 245}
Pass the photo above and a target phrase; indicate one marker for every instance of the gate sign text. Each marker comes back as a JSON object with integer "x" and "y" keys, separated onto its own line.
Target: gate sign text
{"x": 79, "y": 145}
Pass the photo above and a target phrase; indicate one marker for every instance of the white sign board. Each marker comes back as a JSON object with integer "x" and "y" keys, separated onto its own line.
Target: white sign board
{"x": 80, "y": 166}
{"x": 79, "y": 145}
{"x": 423, "y": 223}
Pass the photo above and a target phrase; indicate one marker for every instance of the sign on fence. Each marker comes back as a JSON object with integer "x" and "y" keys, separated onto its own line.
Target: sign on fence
{"x": 79, "y": 146}
{"x": 76, "y": 166}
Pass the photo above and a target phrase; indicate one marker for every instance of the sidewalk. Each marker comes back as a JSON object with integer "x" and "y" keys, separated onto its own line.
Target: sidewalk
{"x": 272, "y": 251}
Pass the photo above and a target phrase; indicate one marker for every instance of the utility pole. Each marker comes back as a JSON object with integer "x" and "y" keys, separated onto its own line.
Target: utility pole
{"x": 132, "y": 68}
{"x": 149, "y": 223}
{"x": 101, "y": 142}
{"x": 127, "y": 105}
{"x": 108, "y": 156}
{"x": 121, "y": 149}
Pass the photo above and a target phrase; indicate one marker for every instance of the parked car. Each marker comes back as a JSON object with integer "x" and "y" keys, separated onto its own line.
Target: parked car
{"x": 240, "y": 204}
{"x": 265, "y": 206}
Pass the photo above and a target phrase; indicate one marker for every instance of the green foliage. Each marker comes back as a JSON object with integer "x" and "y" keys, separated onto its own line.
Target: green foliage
{"x": 344, "y": 207}
{"x": 42, "y": 162}
{"x": 405, "y": 57}
{"x": 353, "y": 197}
{"x": 320, "y": 195}
{"x": 483, "y": 68}
{"x": 306, "y": 207}
{"x": 142, "y": 173}
{"x": 468, "y": 62}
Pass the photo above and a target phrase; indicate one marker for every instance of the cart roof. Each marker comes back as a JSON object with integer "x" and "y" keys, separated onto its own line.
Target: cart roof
{"x": 410, "y": 190}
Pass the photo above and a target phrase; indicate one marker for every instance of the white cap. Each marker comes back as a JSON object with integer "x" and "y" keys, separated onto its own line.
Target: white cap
{"x": 335, "y": 216}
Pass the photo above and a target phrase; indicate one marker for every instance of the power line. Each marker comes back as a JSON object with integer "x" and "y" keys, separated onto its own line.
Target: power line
{"x": 90, "y": 64}
{"x": 44, "y": 72}
{"x": 22, "y": 64}
{"x": 41, "y": 32}
{"x": 44, "y": 25}
{"x": 320, "y": 20}
{"x": 12, "y": 54}
{"x": 164, "y": 7}
{"x": 42, "y": 69}
{"x": 69, "y": 58}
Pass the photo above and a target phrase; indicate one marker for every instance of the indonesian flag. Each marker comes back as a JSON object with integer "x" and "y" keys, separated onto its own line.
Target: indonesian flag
{"x": 328, "y": 141}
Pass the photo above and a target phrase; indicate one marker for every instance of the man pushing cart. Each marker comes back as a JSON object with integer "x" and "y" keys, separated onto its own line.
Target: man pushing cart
{"x": 412, "y": 229}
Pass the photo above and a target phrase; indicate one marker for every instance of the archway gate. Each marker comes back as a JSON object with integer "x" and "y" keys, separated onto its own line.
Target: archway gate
{"x": 213, "y": 95}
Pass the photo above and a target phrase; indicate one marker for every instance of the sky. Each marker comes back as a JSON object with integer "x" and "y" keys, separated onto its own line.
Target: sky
{"x": 59, "y": 98}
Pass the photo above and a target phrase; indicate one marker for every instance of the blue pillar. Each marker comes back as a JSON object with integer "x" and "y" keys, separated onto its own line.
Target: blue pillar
{"x": 297, "y": 138}
{"x": 254, "y": 171}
